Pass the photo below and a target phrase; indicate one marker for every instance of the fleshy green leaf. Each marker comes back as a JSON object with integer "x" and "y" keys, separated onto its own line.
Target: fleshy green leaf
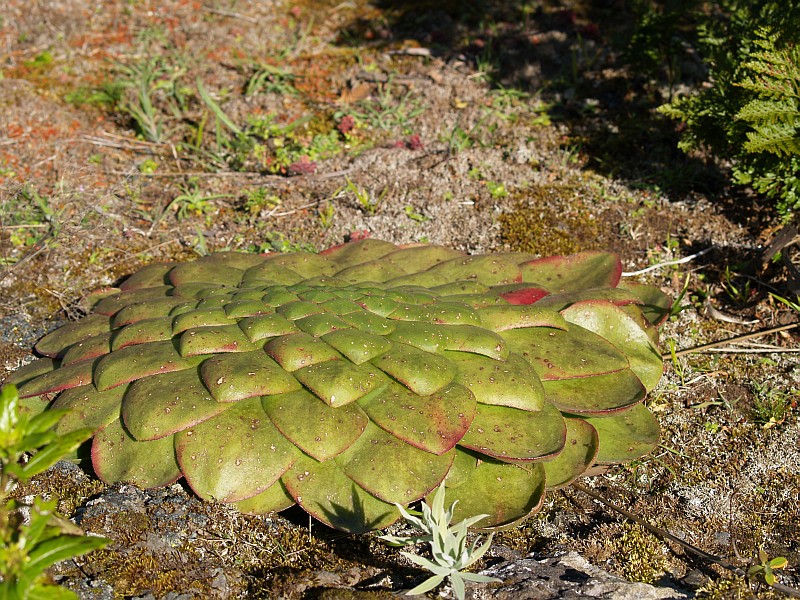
{"x": 234, "y": 455}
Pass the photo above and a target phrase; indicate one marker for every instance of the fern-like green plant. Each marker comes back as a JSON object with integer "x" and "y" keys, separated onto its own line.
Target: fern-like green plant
{"x": 750, "y": 114}
{"x": 774, "y": 113}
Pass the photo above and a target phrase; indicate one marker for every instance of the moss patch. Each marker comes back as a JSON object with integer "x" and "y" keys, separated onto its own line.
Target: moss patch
{"x": 550, "y": 220}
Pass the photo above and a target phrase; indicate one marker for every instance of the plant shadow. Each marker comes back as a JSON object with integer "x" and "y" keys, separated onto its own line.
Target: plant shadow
{"x": 584, "y": 61}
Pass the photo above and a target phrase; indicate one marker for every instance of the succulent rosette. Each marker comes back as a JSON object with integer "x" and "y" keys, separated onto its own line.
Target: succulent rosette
{"x": 359, "y": 377}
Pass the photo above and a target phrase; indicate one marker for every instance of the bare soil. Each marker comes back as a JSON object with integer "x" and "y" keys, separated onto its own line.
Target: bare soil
{"x": 133, "y": 132}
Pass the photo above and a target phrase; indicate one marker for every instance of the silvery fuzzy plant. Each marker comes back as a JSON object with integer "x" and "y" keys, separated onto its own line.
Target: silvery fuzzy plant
{"x": 360, "y": 377}
{"x": 449, "y": 550}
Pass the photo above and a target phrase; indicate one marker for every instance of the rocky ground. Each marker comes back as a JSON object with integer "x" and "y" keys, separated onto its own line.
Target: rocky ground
{"x": 132, "y": 132}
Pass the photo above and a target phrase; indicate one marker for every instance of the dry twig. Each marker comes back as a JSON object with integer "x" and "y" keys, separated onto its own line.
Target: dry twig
{"x": 738, "y": 338}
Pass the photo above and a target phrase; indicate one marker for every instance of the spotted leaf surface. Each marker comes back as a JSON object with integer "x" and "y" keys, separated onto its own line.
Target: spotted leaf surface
{"x": 361, "y": 376}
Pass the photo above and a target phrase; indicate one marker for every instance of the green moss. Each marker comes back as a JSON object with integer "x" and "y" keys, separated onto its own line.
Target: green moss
{"x": 550, "y": 220}
{"x": 734, "y": 589}
{"x": 630, "y": 550}
{"x": 133, "y": 571}
{"x": 641, "y": 555}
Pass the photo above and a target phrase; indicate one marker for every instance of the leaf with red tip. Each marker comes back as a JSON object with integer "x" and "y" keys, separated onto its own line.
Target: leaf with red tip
{"x": 562, "y": 354}
{"x": 432, "y": 423}
{"x": 33, "y": 369}
{"x": 297, "y": 350}
{"x": 236, "y": 376}
{"x": 117, "y": 457}
{"x": 600, "y": 394}
{"x": 524, "y": 296}
{"x": 63, "y": 378}
{"x": 512, "y": 434}
{"x": 160, "y": 405}
{"x": 135, "y": 362}
{"x": 234, "y": 455}
{"x": 55, "y": 343}
{"x": 585, "y": 270}
{"x": 578, "y": 455}
{"x": 88, "y": 348}
{"x": 326, "y": 493}
{"x": 506, "y": 492}
{"x": 316, "y": 428}
{"x": 211, "y": 340}
{"x": 143, "y": 332}
{"x": 509, "y": 383}
{"x": 421, "y": 372}
{"x": 414, "y": 472}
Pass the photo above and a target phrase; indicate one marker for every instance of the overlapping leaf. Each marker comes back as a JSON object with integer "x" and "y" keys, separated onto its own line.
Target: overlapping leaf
{"x": 361, "y": 376}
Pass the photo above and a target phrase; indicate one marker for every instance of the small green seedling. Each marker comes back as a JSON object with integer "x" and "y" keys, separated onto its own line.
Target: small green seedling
{"x": 28, "y": 547}
{"x": 767, "y": 566}
{"x": 365, "y": 198}
{"x": 449, "y": 549}
{"x": 415, "y": 215}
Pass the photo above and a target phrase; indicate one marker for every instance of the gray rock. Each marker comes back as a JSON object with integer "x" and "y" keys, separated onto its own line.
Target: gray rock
{"x": 87, "y": 589}
{"x": 563, "y": 576}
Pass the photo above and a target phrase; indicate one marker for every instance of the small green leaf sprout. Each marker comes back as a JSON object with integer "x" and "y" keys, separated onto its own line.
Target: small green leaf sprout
{"x": 451, "y": 554}
{"x": 767, "y": 566}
